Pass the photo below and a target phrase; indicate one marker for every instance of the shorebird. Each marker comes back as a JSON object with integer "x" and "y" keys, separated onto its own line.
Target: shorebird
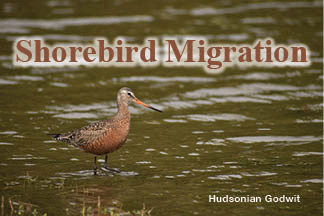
{"x": 106, "y": 136}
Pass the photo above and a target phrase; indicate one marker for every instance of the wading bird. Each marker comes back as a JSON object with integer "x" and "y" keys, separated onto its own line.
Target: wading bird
{"x": 106, "y": 136}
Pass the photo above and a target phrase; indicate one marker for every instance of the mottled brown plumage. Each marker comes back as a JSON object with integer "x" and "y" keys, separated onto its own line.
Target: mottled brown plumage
{"x": 104, "y": 136}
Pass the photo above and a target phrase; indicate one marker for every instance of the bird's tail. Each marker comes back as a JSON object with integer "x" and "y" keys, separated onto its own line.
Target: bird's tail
{"x": 55, "y": 136}
{"x": 61, "y": 137}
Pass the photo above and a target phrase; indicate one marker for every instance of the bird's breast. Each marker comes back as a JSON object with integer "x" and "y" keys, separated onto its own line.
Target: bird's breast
{"x": 111, "y": 140}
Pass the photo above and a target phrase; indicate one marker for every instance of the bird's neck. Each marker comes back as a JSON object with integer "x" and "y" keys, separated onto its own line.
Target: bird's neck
{"x": 123, "y": 110}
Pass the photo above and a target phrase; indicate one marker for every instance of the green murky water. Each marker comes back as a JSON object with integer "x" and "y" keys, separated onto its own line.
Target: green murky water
{"x": 244, "y": 132}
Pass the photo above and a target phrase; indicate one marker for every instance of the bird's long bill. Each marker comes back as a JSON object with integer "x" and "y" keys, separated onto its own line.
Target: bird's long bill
{"x": 143, "y": 104}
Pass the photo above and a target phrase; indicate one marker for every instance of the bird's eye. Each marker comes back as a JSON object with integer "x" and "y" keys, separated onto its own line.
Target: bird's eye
{"x": 129, "y": 94}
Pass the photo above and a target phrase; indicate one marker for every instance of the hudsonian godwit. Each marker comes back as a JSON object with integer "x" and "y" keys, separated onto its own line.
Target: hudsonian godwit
{"x": 106, "y": 136}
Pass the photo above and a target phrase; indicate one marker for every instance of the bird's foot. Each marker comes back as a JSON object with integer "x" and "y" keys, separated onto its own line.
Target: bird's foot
{"x": 112, "y": 169}
{"x": 95, "y": 170}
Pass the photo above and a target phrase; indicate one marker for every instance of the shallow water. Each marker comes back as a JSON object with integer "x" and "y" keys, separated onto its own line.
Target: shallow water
{"x": 244, "y": 132}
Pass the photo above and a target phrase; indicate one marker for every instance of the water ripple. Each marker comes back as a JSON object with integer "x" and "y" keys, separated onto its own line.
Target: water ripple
{"x": 27, "y": 78}
{"x": 76, "y": 115}
{"x": 258, "y": 139}
{"x": 301, "y": 154}
{"x": 7, "y": 82}
{"x": 320, "y": 181}
{"x": 246, "y": 89}
{"x": 67, "y": 22}
{"x": 225, "y": 177}
{"x": 166, "y": 79}
{"x": 215, "y": 117}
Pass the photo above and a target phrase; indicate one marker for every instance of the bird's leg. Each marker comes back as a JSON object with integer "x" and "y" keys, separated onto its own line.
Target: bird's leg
{"x": 106, "y": 160}
{"x": 95, "y": 166}
{"x": 107, "y": 167}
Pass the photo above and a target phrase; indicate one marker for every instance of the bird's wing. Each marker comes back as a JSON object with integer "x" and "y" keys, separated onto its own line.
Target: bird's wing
{"x": 84, "y": 135}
